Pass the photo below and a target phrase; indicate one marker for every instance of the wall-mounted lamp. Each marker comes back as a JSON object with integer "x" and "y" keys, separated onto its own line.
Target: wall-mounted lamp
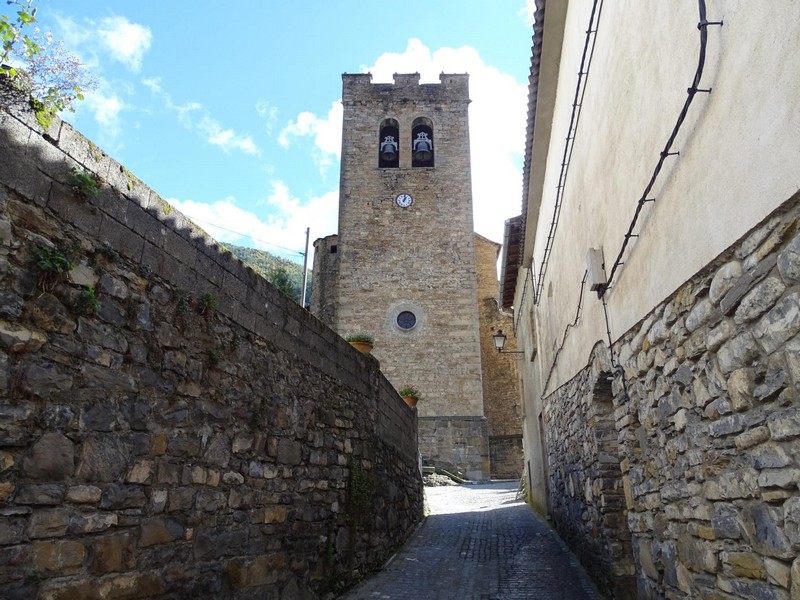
{"x": 500, "y": 343}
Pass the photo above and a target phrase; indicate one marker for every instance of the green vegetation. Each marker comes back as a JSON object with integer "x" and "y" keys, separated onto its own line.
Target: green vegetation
{"x": 284, "y": 274}
{"x": 409, "y": 392}
{"x": 207, "y": 303}
{"x": 53, "y": 77}
{"x": 214, "y": 357}
{"x": 182, "y": 300}
{"x": 53, "y": 260}
{"x": 360, "y": 337}
{"x": 84, "y": 183}
{"x": 361, "y": 488}
{"x": 88, "y": 304}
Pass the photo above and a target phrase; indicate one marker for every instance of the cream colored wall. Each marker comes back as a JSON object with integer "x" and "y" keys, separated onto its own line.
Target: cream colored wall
{"x": 739, "y": 156}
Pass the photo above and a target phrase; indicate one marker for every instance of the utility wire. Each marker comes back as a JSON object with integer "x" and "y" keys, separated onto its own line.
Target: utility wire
{"x": 667, "y": 151}
{"x": 250, "y": 237}
{"x": 577, "y": 103}
{"x": 566, "y": 333}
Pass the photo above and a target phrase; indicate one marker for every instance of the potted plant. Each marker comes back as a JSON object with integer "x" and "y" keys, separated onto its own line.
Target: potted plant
{"x": 409, "y": 395}
{"x": 360, "y": 341}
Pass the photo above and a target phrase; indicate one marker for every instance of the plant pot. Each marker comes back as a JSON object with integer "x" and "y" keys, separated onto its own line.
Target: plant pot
{"x": 363, "y": 347}
{"x": 410, "y": 400}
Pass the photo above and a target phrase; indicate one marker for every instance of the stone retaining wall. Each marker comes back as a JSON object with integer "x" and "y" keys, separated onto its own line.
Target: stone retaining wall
{"x": 506, "y": 453}
{"x": 170, "y": 424}
{"x": 458, "y": 444}
{"x": 708, "y": 427}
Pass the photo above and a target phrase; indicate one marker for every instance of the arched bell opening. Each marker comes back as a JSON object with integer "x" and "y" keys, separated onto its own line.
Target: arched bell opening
{"x": 389, "y": 144}
{"x": 422, "y": 154}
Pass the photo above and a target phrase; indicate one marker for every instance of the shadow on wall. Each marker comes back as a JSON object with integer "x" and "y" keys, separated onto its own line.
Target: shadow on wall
{"x": 169, "y": 422}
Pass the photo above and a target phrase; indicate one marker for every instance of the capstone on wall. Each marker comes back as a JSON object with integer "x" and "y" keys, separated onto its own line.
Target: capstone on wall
{"x": 708, "y": 430}
{"x": 170, "y": 424}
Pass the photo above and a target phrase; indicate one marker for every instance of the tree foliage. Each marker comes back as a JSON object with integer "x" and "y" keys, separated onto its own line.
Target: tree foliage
{"x": 39, "y": 65}
{"x": 284, "y": 274}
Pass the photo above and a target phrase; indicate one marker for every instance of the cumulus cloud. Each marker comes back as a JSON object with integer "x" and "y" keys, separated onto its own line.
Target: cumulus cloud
{"x": 497, "y": 117}
{"x": 106, "y": 106}
{"x": 126, "y": 41}
{"x": 115, "y": 37}
{"x": 195, "y": 116}
{"x": 326, "y": 132}
{"x": 497, "y": 126}
{"x": 281, "y": 232}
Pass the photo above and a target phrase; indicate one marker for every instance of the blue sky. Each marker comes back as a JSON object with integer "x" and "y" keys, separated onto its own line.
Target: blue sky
{"x": 231, "y": 111}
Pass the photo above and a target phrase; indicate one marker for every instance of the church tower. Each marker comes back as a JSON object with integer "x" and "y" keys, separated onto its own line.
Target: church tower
{"x": 402, "y": 267}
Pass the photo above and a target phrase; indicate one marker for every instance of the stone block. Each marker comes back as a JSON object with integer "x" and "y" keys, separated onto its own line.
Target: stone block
{"x": 744, "y": 564}
{"x": 58, "y": 557}
{"x": 789, "y": 262}
{"x": 135, "y": 585}
{"x": 724, "y": 279}
{"x": 784, "y": 425}
{"x": 43, "y": 494}
{"x": 758, "y": 300}
{"x": 261, "y": 570}
{"x": 113, "y": 554}
{"x": 103, "y": 458}
{"x": 52, "y": 457}
{"x": 49, "y": 523}
{"x": 764, "y": 530}
{"x": 752, "y": 437}
{"x": 778, "y": 572}
{"x": 737, "y": 352}
{"x": 157, "y": 530}
{"x": 741, "y": 383}
{"x": 779, "y": 324}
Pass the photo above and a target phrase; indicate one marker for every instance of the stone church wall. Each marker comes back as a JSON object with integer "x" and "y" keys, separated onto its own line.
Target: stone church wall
{"x": 326, "y": 279}
{"x": 708, "y": 428}
{"x": 502, "y": 403}
{"x": 170, "y": 424}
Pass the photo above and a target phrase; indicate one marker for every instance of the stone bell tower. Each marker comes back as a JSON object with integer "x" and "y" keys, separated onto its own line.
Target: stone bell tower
{"x": 402, "y": 267}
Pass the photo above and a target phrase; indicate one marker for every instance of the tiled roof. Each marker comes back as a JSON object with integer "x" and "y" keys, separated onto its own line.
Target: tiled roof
{"x": 515, "y": 228}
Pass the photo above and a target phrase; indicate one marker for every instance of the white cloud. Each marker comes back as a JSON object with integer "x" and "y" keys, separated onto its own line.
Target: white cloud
{"x": 268, "y": 112}
{"x": 326, "y": 132}
{"x": 106, "y": 107}
{"x": 526, "y": 12}
{"x": 126, "y": 41}
{"x": 193, "y": 115}
{"x": 497, "y": 126}
{"x": 283, "y": 228}
{"x": 497, "y": 117}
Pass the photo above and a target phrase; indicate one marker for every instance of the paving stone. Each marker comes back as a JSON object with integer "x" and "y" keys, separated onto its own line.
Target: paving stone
{"x": 479, "y": 544}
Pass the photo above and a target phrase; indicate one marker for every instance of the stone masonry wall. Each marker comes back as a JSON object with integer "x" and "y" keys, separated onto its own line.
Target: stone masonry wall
{"x": 587, "y": 504}
{"x": 326, "y": 279}
{"x": 708, "y": 431}
{"x": 458, "y": 444}
{"x": 171, "y": 426}
{"x": 710, "y": 427}
{"x": 502, "y": 402}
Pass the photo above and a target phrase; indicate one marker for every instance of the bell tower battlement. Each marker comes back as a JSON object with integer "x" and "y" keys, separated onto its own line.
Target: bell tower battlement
{"x": 405, "y": 263}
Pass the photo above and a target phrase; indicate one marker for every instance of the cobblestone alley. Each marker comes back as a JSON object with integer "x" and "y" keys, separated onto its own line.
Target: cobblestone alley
{"x": 479, "y": 543}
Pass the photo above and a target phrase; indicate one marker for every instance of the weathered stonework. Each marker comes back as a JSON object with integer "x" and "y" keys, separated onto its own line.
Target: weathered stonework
{"x": 502, "y": 402}
{"x": 170, "y": 424}
{"x": 418, "y": 258}
{"x": 707, "y": 423}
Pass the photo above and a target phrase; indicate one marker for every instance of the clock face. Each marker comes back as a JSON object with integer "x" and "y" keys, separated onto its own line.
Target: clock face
{"x": 404, "y": 200}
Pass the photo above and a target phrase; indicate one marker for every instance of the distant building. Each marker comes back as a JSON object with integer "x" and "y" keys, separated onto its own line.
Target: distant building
{"x": 403, "y": 268}
{"x": 653, "y": 277}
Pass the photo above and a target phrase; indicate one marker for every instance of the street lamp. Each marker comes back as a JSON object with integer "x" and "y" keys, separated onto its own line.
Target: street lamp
{"x": 500, "y": 342}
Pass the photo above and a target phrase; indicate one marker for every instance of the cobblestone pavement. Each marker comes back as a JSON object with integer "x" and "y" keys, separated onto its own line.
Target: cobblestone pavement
{"x": 479, "y": 543}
